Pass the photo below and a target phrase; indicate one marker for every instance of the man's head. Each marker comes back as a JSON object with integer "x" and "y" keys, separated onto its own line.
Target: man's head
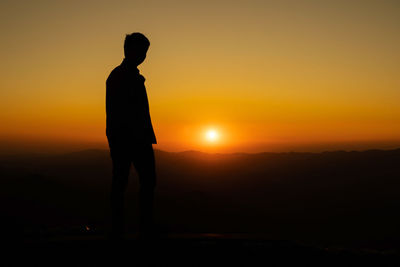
{"x": 135, "y": 47}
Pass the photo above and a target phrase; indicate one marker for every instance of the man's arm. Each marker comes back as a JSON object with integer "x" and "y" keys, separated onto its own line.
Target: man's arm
{"x": 117, "y": 105}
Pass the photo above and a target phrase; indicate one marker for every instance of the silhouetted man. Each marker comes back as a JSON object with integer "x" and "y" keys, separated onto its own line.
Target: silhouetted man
{"x": 130, "y": 134}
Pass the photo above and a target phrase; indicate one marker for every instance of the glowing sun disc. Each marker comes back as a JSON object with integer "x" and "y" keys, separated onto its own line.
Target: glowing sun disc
{"x": 212, "y": 135}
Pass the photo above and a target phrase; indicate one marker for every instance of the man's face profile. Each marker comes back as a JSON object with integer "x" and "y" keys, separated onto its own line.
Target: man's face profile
{"x": 136, "y": 54}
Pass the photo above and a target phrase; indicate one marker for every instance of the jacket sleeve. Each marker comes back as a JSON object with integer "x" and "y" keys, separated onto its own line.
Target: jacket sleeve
{"x": 117, "y": 105}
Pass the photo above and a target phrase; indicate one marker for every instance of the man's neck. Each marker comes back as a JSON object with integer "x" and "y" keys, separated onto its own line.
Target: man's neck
{"x": 130, "y": 64}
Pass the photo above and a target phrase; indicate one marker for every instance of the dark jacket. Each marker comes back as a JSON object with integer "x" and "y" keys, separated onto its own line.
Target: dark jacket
{"x": 127, "y": 106}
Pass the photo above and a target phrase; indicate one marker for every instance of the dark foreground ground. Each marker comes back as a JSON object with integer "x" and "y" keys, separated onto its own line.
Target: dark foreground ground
{"x": 342, "y": 206}
{"x": 189, "y": 250}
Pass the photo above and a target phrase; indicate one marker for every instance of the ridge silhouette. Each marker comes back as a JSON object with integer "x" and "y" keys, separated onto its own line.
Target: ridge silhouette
{"x": 130, "y": 135}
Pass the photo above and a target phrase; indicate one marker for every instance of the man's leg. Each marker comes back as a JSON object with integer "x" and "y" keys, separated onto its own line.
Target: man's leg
{"x": 145, "y": 166}
{"x": 121, "y": 164}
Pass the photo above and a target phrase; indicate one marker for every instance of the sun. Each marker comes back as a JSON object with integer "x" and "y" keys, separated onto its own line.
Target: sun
{"x": 212, "y": 135}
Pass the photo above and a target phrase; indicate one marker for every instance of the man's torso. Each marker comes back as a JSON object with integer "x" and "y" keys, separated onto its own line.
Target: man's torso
{"x": 127, "y": 108}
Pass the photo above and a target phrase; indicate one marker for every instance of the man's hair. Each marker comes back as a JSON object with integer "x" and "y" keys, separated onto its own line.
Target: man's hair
{"x": 135, "y": 40}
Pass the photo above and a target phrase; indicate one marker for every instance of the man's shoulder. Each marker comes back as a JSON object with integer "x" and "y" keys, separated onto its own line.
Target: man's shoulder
{"x": 121, "y": 75}
{"x": 116, "y": 74}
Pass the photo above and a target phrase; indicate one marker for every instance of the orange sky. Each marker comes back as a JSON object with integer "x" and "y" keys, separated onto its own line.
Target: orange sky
{"x": 268, "y": 75}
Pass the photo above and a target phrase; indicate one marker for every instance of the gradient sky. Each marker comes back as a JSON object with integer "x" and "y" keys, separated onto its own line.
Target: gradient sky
{"x": 268, "y": 75}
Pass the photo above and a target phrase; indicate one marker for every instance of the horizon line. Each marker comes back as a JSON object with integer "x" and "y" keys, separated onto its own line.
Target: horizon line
{"x": 203, "y": 152}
